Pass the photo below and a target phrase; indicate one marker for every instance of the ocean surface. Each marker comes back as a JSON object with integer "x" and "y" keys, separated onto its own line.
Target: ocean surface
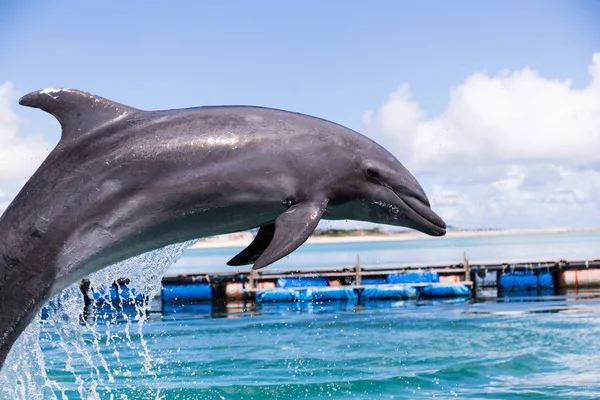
{"x": 506, "y": 348}
{"x": 430, "y": 251}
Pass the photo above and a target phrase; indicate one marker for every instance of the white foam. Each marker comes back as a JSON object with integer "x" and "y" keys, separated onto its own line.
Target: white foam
{"x": 88, "y": 368}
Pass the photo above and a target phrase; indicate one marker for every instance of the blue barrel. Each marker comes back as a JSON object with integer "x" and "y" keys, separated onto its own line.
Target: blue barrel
{"x": 325, "y": 294}
{"x": 53, "y": 305}
{"x": 274, "y": 295}
{"x": 301, "y": 282}
{"x": 117, "y": 295}
{"x": 414, "y": 277}
{"x": 388, "y": 293}
{"x": 529, "y": 279}
{"x": 445, "y": 291}
{"x": 373, "y": 281}
{"x": 545, "y": 280}
{"x": 187, "y": 292}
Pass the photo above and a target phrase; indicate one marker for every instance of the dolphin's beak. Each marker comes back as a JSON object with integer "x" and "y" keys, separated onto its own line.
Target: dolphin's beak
{"x": 429, "y": 222}
{"x": 417, "y": 206}
{"x": 408, "y": 207}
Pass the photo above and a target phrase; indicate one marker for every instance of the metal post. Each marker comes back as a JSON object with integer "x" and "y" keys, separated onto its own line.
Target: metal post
{"x": 358, "y": 270}
{"x": 468, "y": 276}
{"x": 467, "y": 267}
{"x": 253, "y": 278}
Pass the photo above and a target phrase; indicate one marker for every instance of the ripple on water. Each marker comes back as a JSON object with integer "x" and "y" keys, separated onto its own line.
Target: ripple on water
{"x": 346, "y": 351}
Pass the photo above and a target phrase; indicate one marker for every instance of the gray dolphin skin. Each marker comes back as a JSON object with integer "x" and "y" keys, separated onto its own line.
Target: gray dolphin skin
{"x": 124, "y": 181}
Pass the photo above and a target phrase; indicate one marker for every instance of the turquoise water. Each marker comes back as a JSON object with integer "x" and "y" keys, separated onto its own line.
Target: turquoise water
{"x": 347, "y": 351}
{"x": 514, "y": 347}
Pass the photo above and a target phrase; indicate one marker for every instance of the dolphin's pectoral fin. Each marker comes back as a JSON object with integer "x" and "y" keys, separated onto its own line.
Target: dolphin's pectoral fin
{"x": 292, "y": 228}
{"x": 251, "y": 253}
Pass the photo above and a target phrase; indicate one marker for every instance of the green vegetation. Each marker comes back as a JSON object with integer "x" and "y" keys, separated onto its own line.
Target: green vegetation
{"x": 348, "y": 232}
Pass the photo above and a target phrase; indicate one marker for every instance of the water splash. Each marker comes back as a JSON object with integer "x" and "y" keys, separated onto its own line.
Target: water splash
{"x": 83, "y": 343}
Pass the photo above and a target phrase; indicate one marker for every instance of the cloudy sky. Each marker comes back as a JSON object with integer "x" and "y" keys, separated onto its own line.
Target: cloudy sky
{"x": 494, "y": 106}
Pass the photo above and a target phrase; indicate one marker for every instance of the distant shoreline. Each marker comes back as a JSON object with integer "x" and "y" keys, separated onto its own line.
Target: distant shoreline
{"x": 220, "y": 242}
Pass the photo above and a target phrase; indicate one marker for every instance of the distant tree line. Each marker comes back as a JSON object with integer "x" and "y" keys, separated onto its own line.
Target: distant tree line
{"x": 348, "y": 232}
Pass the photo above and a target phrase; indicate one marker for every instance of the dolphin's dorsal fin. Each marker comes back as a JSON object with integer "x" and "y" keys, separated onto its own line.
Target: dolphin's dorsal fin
{"x": 78, "y": 112}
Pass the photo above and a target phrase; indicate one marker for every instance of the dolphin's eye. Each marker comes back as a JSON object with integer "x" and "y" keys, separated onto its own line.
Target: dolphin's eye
{"x": 372, "y": 173}
{"x": 287, "y": 202}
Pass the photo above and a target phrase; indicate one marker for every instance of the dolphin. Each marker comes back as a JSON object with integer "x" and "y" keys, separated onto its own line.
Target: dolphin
{"x": 124, "y": 181}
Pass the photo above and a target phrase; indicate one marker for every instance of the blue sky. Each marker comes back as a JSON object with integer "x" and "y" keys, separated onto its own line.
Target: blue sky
{"x": 334, "y": 59}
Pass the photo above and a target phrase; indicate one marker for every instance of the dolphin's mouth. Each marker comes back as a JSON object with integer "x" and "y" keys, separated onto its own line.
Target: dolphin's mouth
{"x": 413, "y": 208}
{"x": 423, "y": 216}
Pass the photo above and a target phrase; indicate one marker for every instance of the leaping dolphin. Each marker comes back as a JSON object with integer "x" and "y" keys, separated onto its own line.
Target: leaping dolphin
{"x": 124, "y": 181}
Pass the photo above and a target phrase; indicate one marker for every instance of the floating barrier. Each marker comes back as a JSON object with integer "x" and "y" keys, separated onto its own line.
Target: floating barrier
{"x": 188, "y": 292}
{"x": 388, "y": 293}
{"x": 274, "y": 296}
{"x": 414, "y": 277}
{"x": 445, "y": 291}
{"x": 302, "y": 282}
{"x": 326, "y": 294}
{"x": 518, "y": 280}
{"x": 374, "y": 281}
{"x": 449, "y": 278}
{"x": 235, "y": 290}
{"x": 527, "y": 279}
{"x": 357, "y": 282}
{"x": 576, "y": 279}
{"x": 545, "y": 280}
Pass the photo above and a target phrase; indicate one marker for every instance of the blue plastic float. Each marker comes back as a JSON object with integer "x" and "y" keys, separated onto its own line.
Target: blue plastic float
{"x": 388, "y": 293}
{"x": 445, "y": 291}
{"x": 301, "y": 295}
{"x": 274, "y": 296}
{"x": 325, "y": 294}
{"x": 117, "y": 295}
{"x": 398, "y": 289}
{"x": 301, "y": 282}
{"x": 373, "y": 281}
{"x": 188, "y": 292}
{"x": 528, "y": 279}
{"x": 414, "y": 277}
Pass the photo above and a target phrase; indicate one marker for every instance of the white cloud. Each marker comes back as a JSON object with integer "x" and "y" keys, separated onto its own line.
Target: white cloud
{"x": 515, "y": 149}
{"x": 568, "y": 198}
{"x": 19, "y": 156}
{"x": 513, "y": 117}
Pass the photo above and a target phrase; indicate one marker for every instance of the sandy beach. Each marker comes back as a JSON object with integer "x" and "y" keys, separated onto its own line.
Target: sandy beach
{"x": 242, "y": 240}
